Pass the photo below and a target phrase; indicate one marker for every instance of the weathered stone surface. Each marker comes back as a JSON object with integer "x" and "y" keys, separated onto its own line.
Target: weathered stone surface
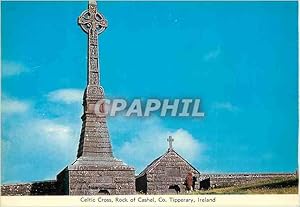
{"x": 223, "y": 180}
{"x": 35, "y": 188}
{"x": 168, "y": 170}
{"x": 95, "y": 171}
{"x": 93, "y": 180}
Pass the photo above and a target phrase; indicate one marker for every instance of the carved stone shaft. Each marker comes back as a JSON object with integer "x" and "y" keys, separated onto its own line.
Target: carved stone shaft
{"x": 93, "y": 23}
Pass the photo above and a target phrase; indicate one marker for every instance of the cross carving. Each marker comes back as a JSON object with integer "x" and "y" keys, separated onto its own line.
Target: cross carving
{"x": 170, "y": 140}
{"x": 91, "y": 21}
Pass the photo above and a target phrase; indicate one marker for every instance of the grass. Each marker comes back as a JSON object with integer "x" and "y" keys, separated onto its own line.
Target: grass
{"x": 274, "y": 186}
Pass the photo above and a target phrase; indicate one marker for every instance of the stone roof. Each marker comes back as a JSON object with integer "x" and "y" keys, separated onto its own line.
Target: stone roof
{"x": 155, "y": 162}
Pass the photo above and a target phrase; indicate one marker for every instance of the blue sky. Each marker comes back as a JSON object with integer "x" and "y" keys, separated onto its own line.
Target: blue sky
{"x": 239, "y": 58}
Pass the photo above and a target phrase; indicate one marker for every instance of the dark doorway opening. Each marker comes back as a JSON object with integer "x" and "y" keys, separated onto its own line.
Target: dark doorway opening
{"x": 104, "y": 192}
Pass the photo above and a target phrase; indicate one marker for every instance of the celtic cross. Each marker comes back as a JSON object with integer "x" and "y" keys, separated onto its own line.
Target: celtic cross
{"x": 92, "y": 23}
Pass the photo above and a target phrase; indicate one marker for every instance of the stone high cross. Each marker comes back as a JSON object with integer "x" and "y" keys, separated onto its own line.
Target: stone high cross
{"x": 95, "y": 170}
{"x": 170, "y": 140}
{"x": 92, "y": 23}
{"x": 94, "y": 138}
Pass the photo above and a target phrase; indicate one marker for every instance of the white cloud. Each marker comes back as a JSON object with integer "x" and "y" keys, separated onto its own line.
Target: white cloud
{"x": 187, "y": 145}
{"x": 49, "y": 129}
{"x": 45, "y": 144}
{"x": 31, "y": 128}
{"x": 12, "y": 68}
{"x": 12, "y": 106}
{"x": 213, "y": 54}
{"x": 150, "y": 142}
{"x": 225, "y": 106}
{"x": 43, "y": 135}
{"x": 68, "y": 95}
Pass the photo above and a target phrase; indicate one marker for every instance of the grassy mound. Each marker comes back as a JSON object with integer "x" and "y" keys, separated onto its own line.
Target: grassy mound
{"x": 274, "y": 186}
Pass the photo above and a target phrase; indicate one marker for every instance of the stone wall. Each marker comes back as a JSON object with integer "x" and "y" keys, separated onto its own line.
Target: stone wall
{"x": 157, "y": 183}
{"x": 35, "y": 188}
{"x": 223, "y": 180}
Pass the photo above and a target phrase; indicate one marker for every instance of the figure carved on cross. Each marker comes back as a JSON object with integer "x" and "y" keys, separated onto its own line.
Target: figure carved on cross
{"x": 91, "y": 21}
{"x": 170, "y": 140}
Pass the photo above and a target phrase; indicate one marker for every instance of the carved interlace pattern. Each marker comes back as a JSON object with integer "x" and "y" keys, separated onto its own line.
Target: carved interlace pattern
{"x": 92, "y": 23}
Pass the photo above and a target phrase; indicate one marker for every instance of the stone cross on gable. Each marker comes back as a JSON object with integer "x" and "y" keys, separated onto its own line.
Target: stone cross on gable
{"x": 170, "y": 140}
